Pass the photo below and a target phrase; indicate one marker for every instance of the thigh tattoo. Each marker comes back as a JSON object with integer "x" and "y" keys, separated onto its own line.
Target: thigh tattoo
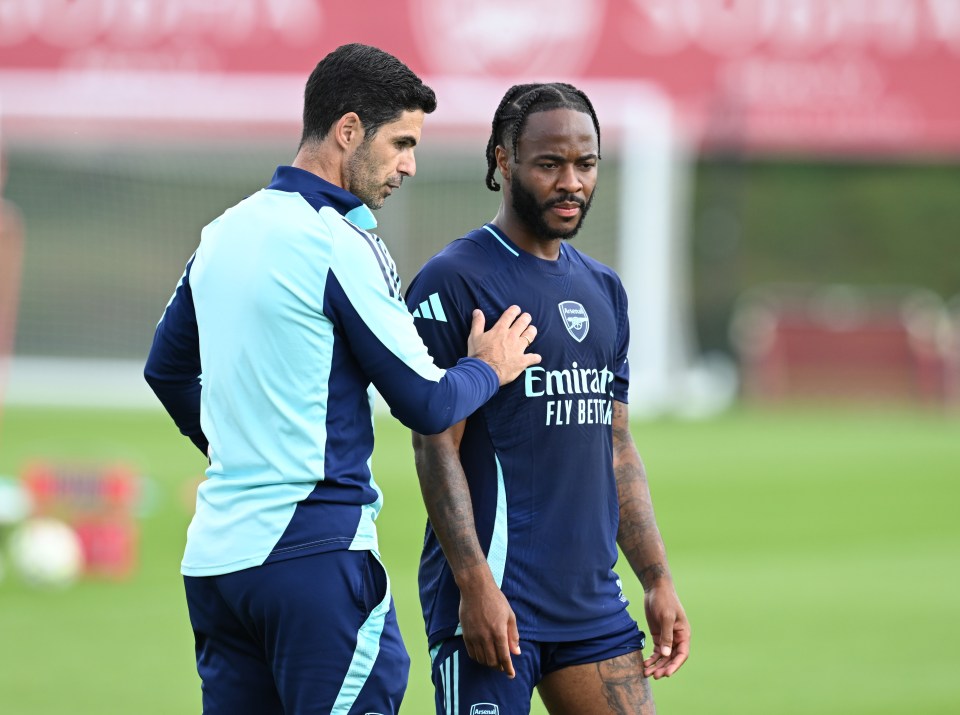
{"x": 625, "y": 688}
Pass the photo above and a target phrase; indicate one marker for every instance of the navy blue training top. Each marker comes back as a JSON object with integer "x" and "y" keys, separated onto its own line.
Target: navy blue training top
{"x": 539, "y": 455}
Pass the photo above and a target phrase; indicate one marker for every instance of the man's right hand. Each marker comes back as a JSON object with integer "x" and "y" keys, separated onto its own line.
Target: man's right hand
{"x": 489, "y": 624}
{"x": 503, "y": 347}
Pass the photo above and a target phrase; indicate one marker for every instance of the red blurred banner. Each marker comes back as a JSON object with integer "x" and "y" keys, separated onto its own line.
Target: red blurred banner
{"x": 821, "y": 75}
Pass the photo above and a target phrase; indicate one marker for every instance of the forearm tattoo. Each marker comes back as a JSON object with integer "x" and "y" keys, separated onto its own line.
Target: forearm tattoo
{"x": 449, "y": 507}
{"x": 638, "y": 534}
{"x": 649, "y": 575}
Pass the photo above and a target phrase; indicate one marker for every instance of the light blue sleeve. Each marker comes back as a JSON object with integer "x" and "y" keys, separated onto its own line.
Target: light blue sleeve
{"x": 363, "y": 300}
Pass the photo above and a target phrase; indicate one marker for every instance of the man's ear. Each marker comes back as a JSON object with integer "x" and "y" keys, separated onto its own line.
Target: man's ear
{"x": 348, "y": 131}
{"x": 503, "y": 161}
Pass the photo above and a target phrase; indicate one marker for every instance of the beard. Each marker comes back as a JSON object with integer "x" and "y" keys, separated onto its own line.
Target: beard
{"x": 532, "y": 214}
{"x": 365, "y": 183}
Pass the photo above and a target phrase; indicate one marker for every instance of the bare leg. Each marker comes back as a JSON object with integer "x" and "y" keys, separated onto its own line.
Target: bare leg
{"x": 610, "y": 687}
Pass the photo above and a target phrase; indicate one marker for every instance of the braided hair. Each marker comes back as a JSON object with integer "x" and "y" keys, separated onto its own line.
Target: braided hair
{"x": 522, "y": 100}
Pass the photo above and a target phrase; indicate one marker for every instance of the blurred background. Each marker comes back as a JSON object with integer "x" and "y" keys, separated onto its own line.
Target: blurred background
{"x": 779, "y": 190}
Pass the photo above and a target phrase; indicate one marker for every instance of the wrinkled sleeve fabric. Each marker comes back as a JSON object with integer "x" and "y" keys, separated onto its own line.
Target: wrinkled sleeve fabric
{"x": 363, "y": 299}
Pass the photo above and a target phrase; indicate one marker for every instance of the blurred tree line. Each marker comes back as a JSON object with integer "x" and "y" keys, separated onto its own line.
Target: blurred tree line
{"x": 858, "y": 223}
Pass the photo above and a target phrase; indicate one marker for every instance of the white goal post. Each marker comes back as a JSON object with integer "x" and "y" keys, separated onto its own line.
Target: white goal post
{"x": 640, "y": 230}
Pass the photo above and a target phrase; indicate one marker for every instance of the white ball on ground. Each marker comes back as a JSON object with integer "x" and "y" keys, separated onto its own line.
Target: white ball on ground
{"x": 46, "y": 552}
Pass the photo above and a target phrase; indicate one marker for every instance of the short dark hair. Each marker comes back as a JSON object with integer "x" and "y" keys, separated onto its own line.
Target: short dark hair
{"x": 522, "y": 100}
{"x": 362, "y": 79}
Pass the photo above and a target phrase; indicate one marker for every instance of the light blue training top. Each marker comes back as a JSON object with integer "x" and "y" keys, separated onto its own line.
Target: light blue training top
{"x": 286, "y": 317}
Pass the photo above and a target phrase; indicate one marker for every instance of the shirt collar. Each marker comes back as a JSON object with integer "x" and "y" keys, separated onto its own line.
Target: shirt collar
{"x": 320, "y": 192}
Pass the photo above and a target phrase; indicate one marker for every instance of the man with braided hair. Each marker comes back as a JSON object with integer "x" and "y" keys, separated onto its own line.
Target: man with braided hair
{"x": 529, "y": 497}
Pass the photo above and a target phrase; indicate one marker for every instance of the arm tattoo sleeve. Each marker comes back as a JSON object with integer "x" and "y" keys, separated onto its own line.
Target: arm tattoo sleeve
{"x": 638, "y": 534}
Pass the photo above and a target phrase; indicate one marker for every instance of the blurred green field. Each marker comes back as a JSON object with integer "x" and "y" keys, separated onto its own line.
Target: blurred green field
{"x": 817, "y": 553}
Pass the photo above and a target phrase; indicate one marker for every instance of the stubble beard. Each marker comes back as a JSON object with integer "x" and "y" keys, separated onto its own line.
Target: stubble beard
{"x": 365, "y": 182}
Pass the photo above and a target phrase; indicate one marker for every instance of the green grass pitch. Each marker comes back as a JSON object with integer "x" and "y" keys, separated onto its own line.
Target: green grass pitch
{"x": 817, "y": 553}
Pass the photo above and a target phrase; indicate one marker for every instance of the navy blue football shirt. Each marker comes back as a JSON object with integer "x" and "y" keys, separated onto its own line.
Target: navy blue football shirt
{"x": 539, "y": 455}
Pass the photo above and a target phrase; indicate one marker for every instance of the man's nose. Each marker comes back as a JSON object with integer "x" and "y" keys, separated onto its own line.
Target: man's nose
{"x": 569, "y": 180}
{"x": 408, "y": 164}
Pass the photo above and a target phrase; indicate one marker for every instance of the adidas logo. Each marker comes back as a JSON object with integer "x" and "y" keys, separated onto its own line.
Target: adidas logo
{"x": 430, "y": 309}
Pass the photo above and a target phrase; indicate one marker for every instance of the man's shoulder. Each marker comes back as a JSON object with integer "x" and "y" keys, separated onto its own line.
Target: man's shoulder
{"x": 347, "y": 238}
{"x": 283, "y": 210}
{"x": 601, "y": 273}
{"x": 590, "y": 263}
{"x": 466, "y": 257}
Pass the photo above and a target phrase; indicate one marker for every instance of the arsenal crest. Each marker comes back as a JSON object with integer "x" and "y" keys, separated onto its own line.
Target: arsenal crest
{"x": 575, "y": 319}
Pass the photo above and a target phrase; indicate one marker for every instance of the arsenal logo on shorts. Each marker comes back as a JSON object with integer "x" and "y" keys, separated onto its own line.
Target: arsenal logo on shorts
{"x": 575, "y": 319}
